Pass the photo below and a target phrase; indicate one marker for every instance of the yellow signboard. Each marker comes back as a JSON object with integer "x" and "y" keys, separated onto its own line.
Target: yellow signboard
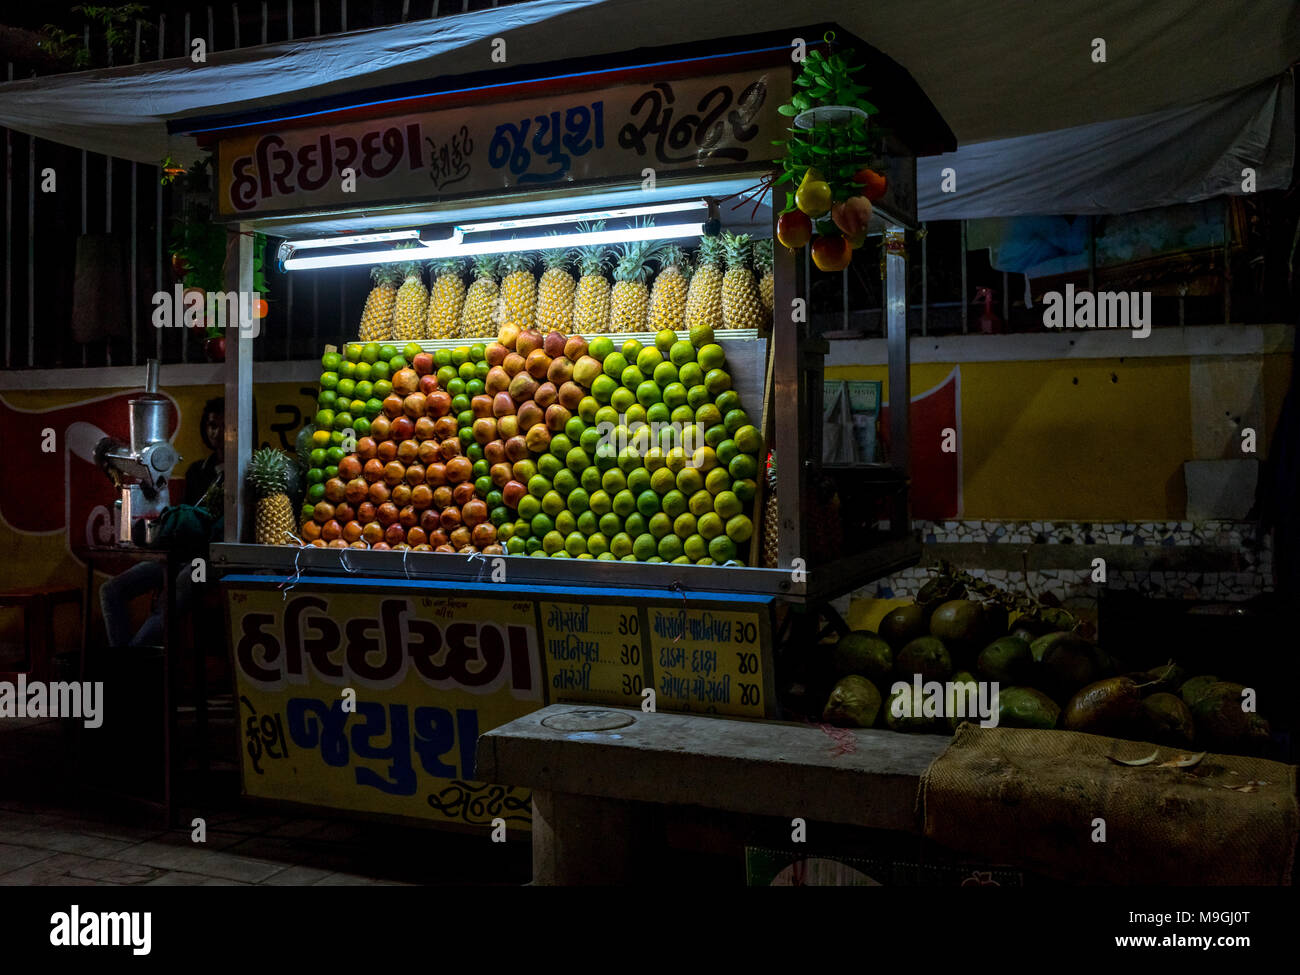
{"x": 708, "y": 660}
{"x": 555, "y": 140}
{"x": 593, "y": 652}
{"x": 375, "y": 701}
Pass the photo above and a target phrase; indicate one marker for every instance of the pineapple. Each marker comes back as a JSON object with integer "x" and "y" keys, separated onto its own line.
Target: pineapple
{"x": 517, "y": 302}
{"x": 741, "y": 305}
{"x": 480, "y": 300}
{"x": 445, "y": 299}
{"x": 704, "y": 299}
{"x": 412, "y": 304}
{"x": 766, "y": 283}
{"x": 377, "y": 319}
{"x": 668, "y": 297}
{"x": 591, "y": 298}
{"x": 271, "y": 475}
{"x": 630, "y": 298}
{"x": 555, "y": 292}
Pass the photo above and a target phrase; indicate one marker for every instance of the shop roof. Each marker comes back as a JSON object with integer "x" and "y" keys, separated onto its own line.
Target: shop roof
{"x": 998, "y": 69}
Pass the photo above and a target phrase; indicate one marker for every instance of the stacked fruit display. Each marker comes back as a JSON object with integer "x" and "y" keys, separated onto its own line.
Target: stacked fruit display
{"x": 654, "y": 287}
{"x": 1049, "y": 675}
{"x": 536, "y": 444}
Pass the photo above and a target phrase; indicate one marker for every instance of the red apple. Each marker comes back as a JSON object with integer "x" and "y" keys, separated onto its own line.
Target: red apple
{"x": 553, "y": 344}
{"x": 575, "y": 348}
{"x": 494, "y": 452}
{"x": 831, "y": 253}
{"x": 481, "y": 405}
{"x": 560, "y": 371}
{"x": 507, "y": 426}
{"x": 528, "y": 341}
{"x": 513, "y": 364}
{"x": 405, "y": 381}
{"x": 571, "y": 394}
{"x": 512, "y": 493}
{"x": 522, "y": 387}
{"x": 546, "y": 395}
{"x": 585, "y": 370}
{"x": 497, "y": 380}
{"x": 537, "y": 364}
{"x": 516, "y": 448}
{"x": 485, "y": 430}
{"x": 530, "y": 414}
{"x": 538, "y": 439}
{"x": 852, "y": 217}
{"x": 794, "y": 229}
{"x": 501, "y": 474}
{"x": 495, "y": 354}
{"x": 556, "y": 417}
{"x": 502, "y": 404}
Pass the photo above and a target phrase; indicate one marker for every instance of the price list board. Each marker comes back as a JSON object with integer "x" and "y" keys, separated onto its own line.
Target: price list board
{"x": 593, "y": 652}
{"x": 711, "y": 658}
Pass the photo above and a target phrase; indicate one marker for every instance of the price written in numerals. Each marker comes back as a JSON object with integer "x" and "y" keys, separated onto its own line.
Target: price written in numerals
{"x": 593, "y": 651}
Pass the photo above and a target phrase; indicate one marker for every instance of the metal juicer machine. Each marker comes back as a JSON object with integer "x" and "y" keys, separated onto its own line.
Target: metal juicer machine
{"x": 140, "y": 469}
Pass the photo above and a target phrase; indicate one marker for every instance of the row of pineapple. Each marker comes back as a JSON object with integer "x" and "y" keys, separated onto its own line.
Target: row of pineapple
{"x": 506, "y": 292}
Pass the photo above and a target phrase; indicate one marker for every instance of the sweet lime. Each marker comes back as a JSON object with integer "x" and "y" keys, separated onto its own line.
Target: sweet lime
{"x": 722, "y": 548}
{"x": 565, "y": 522}
{"x": 643, "y": 548}
{"x": 578, "y": 500}
{"x": 577, "y": 460}
{"x": 638, "y": 481}
{"x": 742, "y": 466}
{"x": 684, "y": 525}
{"x": 587, "y": 408}
{"x": 710, "y": 525}
{"x": 576, "y": 543}
{"x": 691, "y": 376}
{"x": 631, "y": 377}
{"x": 660, "y": 524}
{"x": 727, "y": 505}
{"x": 647, "y": 502}
{"x": 603, "y": 387}
{"x": 597, "y": 544}
{"x": 749, "y": 440}
{"x": 670, "y": 547}
{"x": 726, "y": 450}
{"x": 353, "y": 352}
{"x": 548, "y": 465}
{"x": 681, "y": 353}
{"x": 745, "y": 489}
{"x": 740, "y": 529}
{"x": 600, "y": 348}
{"x": 701, "y": 335}
{"x": 694, "y": 547}
{"x": 370, "y": 353}
{"x": 674, "y": 395}
{"x": 620, "y": 544}
{"x": 622, "y": 399}
{"x": 716, "y": 381}
{"x": 631, "y": 349}
{"x": 700, "y": 504}
{"x": 653, "y": 459}
{"x": 610, "y": 524}
{"x": 624, "y": 503}
{"x": 648, "y": 392}
{"x": 552, "y": 542}
{"x": 552, "y": 503}
{"x": 665, "y": 339}
{"x": 614, "y": 365}
{"x": 673, "y": 503}
{"x": 565, "y": 481}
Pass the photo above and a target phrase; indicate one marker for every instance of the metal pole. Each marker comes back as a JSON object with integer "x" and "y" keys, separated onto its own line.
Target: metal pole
{"x": 844, "y": 296}
{"x": 1006, "y": 297}
{"x": 234, "y": 15}
{"x": 406, "y": 9}
{"x": 343, "y": 15}
{"x": 135, "y": 235}
{"x": 158, "y": 209}
{"x": 264, "y": 21}
{"x": 1227, "y": 258}
{"x": 900, "y": 390}
{"x": 212, "y": 31}
{"x": 85, "y": 194}
{"x": 31, "y": 252}
{"x": 239, "y": 387}
{"x": 289, "y": 17}
{"x": 9, "y": 239}
{"x": 288, "y": 317}
{"x": 316, "y": 5}
{"x": 788, "y": 390}
{"x": 925, "y": 277}
{"x": 1092, "y": 255}
{"x": 965, "y": 297}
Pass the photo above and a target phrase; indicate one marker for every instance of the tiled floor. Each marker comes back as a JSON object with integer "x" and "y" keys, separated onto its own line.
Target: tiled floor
{"x": 50, "y": 835}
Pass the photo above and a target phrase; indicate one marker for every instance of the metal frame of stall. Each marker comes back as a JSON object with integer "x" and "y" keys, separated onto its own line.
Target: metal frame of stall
{"x": 795, "y": 362}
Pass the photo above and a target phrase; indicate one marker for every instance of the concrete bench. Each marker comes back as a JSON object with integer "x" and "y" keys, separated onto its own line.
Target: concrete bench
{"x": 591, "y": 767}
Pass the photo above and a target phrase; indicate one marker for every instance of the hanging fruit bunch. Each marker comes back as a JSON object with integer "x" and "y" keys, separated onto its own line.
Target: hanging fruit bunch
{"x": 828, "y": 160}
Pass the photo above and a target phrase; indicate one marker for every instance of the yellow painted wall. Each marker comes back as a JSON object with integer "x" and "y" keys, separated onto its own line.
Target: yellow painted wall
{"x": 1037, "y": 445}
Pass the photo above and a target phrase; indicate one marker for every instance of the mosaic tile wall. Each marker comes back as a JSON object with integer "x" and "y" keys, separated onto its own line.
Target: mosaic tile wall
{"x": 1242, "y": 539}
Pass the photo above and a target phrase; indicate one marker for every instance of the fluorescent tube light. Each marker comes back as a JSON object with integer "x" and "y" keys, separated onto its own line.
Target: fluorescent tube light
{"x": 455, "y": 246}
{"x": 614, "y": 214}
{"x": 376, "y": 238}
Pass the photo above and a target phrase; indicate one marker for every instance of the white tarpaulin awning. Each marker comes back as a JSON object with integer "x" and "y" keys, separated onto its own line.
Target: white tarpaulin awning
{"x": 1242, "y": 142}
{"x": 995, "y": 70}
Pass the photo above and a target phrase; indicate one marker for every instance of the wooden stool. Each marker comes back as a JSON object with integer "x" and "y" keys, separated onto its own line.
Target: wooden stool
{"x": 38, "y": 604}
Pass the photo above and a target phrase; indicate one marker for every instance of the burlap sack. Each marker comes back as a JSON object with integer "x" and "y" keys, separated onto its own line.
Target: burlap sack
{"x": 1032, "y": 799}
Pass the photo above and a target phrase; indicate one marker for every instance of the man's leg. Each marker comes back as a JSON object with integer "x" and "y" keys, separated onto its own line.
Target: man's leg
{"x": 116, "y": 594}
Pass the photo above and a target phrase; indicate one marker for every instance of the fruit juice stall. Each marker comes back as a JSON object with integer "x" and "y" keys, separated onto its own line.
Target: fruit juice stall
{"x": 567, "y": 453}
